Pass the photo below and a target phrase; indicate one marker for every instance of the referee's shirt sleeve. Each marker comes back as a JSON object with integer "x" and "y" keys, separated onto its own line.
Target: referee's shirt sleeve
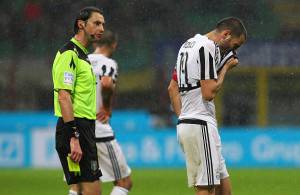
{"x": 65, "y": 71}
{"x": 207, "y": 62}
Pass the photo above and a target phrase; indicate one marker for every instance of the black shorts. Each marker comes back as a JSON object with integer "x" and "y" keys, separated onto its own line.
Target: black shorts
{"x": 89, "y": 167}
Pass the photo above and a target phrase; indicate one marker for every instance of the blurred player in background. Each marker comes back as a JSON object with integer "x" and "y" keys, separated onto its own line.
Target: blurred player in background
{"x": 110, "y": 156}
{"x": 75, "y": 103}
{"x": 202, "y": 64}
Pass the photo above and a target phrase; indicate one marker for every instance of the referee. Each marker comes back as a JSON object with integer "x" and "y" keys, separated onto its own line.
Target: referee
{"x": 75, "y": 103}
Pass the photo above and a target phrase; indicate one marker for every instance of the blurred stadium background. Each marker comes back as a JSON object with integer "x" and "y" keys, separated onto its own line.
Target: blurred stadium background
{"x": 258, "y": 107}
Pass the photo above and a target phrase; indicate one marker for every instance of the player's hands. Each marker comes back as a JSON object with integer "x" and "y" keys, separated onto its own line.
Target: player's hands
{"x": 103, "y": 115}
{"x": 76, "y": 152}
{"x": 231, "y": 63}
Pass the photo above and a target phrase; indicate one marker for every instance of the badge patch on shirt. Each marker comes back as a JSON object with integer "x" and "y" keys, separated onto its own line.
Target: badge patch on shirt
{"x": 94, "y": 165}
{"x": 68, "y": 78}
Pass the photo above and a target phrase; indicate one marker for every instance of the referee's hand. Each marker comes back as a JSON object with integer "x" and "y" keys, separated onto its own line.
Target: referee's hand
{"x": 76, "y": 152}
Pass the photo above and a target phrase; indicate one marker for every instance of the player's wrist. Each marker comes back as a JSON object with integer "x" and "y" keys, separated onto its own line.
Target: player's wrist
{"x": 225, "y": 68}
{"x": 107, "y": 111}
{"x": 72, "y": 128}
{"x": 74, "y": 140}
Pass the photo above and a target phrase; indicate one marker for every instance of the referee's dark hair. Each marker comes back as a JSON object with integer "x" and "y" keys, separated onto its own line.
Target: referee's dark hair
{"x": 84, "y": 14}
{"x": 235, "y": 25}
{"x": 107, "y": 39}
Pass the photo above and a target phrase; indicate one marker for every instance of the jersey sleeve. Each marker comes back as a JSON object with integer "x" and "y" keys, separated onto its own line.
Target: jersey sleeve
{"x": 103, "y": 66}
{"x": 114, "y": 71}
{"x": 96, "y": 66}
{"x": 65, "y": 70}
{"x": 225, "y": 58}
{"x": 207, "y": 63}
{"x": 109, "y": 68}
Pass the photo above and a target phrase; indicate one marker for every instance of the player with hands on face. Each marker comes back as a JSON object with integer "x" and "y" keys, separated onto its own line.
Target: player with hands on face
{"x": 202, "y": 64}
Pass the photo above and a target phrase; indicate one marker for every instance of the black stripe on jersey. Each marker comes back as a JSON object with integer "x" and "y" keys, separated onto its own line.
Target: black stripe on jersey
{"x": 180, "y": 69}
{"x": 68, "y": 46}
{"x": 189, "y": 87}
{"x": 202, "y": 63}
{"x": 211, "y": 67}
{"x": 112, "y": 70}
{"x": 103, "y": 69}
{"x": 72, "y": 46}
{"x": 227, "y": 56}
{"x": 223, "y": 63}
{"x": 186, "y": 70}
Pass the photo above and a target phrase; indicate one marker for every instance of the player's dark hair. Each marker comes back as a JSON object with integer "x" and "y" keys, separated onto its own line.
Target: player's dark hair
{"x": 84, "y": 14}
{"x": 108, "y": 38}
{"x": 235, "y": 25}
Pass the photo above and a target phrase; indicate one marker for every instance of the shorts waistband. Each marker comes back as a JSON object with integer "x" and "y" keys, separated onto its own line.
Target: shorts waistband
{"x": 104, "y": 139}
{"x": 79, "y": 119}
{"x": 192, "y": 121}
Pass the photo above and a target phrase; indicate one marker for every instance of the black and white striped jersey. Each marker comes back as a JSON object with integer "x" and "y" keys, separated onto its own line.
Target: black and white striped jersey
{"x": 197, "y": 60}
{"x": 103, "y": 66}
{"x": 228, "y": 55}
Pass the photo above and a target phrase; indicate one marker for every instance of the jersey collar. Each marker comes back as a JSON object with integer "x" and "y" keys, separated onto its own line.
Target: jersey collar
{"x": 79, "y": 45}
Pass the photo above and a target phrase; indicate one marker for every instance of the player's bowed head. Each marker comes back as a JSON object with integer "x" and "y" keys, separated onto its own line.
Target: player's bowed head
{"x": 229, "y": 33}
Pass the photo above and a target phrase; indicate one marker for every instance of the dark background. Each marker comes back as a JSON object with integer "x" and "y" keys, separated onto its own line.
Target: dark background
{"x": 262, "y": 91}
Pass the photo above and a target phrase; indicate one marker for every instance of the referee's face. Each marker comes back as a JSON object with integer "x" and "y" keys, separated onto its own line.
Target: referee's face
{"x": 94, "y": 27}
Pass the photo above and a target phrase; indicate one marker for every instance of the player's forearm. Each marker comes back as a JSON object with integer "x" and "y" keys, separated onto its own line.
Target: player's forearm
{"x": 107, "y": 97}
{"x": 66, "y": 106}
{"x": 176, "y": 104}
{"x": 231, "y": 63}
{"x": 175, "y": 97}
{"x": 210, "y": 88}
{"x": 220, "y": 80}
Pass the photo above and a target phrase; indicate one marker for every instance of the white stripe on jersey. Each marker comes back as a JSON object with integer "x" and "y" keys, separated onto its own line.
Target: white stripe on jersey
{"x": 197, "y": 60}
{"x": 103, "y": 66}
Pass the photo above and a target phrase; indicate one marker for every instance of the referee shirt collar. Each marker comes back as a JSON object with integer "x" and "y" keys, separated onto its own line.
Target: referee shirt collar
{"x": 79, "y": 45}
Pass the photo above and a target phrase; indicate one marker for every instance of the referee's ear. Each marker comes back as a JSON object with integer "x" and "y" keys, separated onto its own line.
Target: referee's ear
{"x": 80, "y": 24}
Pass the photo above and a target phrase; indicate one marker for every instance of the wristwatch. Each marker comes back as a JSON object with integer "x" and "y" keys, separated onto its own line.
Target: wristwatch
{"x": 76, "y": 134}
{"x": 71, "y": 125}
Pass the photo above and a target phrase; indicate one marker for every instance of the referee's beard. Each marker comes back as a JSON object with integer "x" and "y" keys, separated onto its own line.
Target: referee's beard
{"x": 89, "y": 37}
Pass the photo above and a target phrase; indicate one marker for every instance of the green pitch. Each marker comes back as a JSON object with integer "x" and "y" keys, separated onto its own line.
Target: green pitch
{"x": 154, "y": 182}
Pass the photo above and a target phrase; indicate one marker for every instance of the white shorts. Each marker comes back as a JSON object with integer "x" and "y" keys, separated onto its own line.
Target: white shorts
{"x": 201, "y": 145}
{"x": 112, "y": 161}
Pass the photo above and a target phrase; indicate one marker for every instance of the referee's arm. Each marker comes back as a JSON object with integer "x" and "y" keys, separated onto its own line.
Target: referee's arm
{"x": 66, "y": 106}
